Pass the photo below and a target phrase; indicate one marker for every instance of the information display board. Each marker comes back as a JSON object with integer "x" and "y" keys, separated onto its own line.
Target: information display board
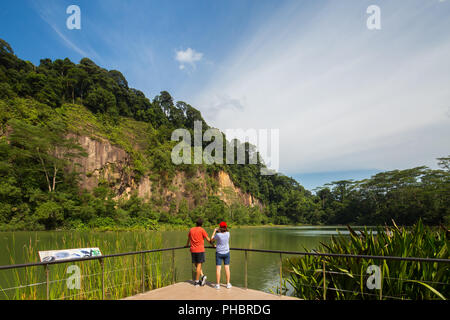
{"x": 67, "y": 254}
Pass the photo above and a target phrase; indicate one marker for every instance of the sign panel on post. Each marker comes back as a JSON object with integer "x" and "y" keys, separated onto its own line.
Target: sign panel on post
{"x": 56, "y": 255}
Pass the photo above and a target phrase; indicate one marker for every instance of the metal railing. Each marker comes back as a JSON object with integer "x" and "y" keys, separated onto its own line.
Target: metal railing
{"x": 101, "y": 260}
{"x": 333, "y": 255}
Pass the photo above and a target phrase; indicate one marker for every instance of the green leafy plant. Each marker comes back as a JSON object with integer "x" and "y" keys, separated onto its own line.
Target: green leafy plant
{"x": 346, "y": 278}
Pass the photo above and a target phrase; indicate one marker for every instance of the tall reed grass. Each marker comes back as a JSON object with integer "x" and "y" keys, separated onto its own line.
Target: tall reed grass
{"x": 122, "y": 275}
{"x": 346, "y": 278}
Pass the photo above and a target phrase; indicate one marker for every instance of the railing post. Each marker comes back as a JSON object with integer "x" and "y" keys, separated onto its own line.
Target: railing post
{"x": 324, "y": 281}
{"x": 47, "y": 280}
{"x": 381, "y": 282}
{"x": 143, "y": 271}
{"x": 281, "y": 273}
{"x": 245, "y": 269}
{"x": 173, "y": 266}
{"x": 102, "y": 265}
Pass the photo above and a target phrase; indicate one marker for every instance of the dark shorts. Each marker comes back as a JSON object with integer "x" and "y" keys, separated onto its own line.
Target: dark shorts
{"x": 225, "y": 257}
{"x": 198, "y": 257}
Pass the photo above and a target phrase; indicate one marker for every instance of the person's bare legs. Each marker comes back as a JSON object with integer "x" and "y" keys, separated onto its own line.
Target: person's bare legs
{"x": 227, "y": 272}
{"x": 218, "y": 274}
{"x": 198, "y": 271}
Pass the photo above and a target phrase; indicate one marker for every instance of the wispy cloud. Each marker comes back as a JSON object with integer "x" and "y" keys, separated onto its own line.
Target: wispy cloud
{"x": 188, "y": 56}
{"x": 54, "y": 14}
{"x": 343, "y": 97}
{"x": 69, "y": 43}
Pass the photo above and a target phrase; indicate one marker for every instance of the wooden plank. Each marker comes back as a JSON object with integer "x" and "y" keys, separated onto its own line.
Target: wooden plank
{"x": 187, "y": 291}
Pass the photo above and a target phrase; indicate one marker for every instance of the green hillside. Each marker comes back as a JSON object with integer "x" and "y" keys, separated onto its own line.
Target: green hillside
{"x": 45, "y": 109}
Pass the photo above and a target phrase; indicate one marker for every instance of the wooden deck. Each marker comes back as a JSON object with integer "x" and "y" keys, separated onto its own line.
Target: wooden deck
{"x": 187, "y": 291}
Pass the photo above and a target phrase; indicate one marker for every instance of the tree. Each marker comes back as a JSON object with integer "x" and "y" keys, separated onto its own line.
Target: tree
{"x": 7, "y": 57}
{"x": 444, "y": 162}
{"x": 50, "y": 214}
{"x": 5, "y": 48}
{"x": 6, "y": 91}
{"x": 49, "y": 148}
{"x": 119, "y": 79}
{"x": 77, "y": 81}
{"x": 101, "y": 100}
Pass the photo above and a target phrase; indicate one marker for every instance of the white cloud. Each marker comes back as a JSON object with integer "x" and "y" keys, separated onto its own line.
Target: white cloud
{"x": 343, "y": 97}
{"x": 189, "y": 56}
{"x": 221, "y": 102}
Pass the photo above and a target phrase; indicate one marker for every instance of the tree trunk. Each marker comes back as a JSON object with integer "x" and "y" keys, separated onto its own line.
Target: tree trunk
{"x": 55, "y": 171}
{"x": 45, "y": 170}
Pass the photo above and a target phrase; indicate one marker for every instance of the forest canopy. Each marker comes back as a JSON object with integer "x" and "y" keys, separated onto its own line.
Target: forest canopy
{"x": 40, "y": 105}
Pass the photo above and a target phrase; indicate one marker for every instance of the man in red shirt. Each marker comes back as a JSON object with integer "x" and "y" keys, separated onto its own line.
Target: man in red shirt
{"x": 196, "y": 238}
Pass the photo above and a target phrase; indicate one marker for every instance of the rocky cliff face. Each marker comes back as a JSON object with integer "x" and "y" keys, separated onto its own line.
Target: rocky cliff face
{"x": 103, "y": 161}
{"x": 110, "y": 164}
{"x": 229, "y": 193}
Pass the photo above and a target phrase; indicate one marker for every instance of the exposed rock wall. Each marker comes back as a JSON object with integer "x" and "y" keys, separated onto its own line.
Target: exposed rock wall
{"x": 103, "y": 161}
{"x": 111, "y": 164}
{"x": 229, "y": 193}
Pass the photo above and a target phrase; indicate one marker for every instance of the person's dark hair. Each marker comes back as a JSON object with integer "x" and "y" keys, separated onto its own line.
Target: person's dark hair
{"x": 199, "y": 222}
{"x": 223, "y": 229}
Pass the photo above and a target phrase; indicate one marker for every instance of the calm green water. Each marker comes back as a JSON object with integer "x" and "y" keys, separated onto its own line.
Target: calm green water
{"x": 263, "y": 268}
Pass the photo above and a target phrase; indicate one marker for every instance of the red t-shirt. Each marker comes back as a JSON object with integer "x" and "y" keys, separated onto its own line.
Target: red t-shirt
{"x": 196, "y": 236}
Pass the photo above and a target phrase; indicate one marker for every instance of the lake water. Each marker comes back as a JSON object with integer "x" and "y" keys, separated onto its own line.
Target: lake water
{"x": 263, "y": 268}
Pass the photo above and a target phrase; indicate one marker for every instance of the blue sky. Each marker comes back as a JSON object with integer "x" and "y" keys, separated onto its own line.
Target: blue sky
{"x": 348, "y": 101}
{"x": 139, "y": 38}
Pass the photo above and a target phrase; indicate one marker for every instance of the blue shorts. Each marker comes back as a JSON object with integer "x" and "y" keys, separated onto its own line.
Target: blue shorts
{"x": 222, "y": 256}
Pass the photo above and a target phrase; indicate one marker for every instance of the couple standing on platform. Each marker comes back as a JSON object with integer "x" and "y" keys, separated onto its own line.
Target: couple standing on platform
{"x": 196, "y": 238}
